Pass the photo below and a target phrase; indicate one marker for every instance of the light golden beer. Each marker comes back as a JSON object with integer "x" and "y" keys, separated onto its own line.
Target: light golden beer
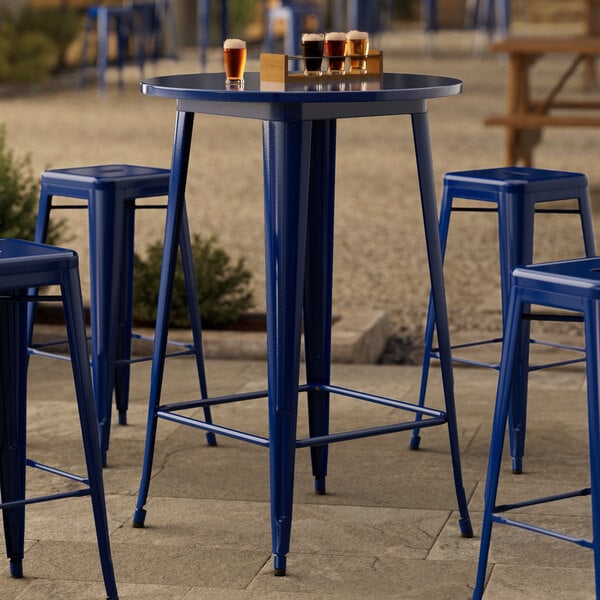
{"x": 358, "y": 50}
{"x": 312, "y": 51}
{"x": 335, "y": 50}
{"x": 234, "y": 59}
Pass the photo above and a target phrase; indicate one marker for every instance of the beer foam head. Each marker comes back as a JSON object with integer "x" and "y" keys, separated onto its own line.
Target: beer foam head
{"x": 336, "y": 36}
{"x": 232, "y": 43}
{"x": 358, "y": 35}
{"x": 312, "y": 37}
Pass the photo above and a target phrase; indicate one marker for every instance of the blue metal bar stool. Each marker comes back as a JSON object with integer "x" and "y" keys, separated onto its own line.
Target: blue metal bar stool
{"x": 146, "y": 26}
{"x": 516, "y": 195}
{"x": 204, "y": 13}
{"x": 292, "y": 13}
{"x": 110, "y": 193}
{"x": 570, "y": 285}
{"x": 105, "y": 17}
{"x": 26, "y": 265}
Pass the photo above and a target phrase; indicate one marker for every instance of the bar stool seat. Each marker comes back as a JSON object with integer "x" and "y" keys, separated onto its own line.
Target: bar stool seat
{"x": 110, "y": 194}
{"x": 516, "y": 194}
{"x": 25, "y": 265}
{"x": 570, "y": 285}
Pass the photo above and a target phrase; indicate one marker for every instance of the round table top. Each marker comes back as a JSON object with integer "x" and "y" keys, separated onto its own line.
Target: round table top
{"x": 388, "y": 87}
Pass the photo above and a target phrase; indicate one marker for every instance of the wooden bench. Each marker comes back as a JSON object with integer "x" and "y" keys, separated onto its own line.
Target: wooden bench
{"x": 526, "y": 116}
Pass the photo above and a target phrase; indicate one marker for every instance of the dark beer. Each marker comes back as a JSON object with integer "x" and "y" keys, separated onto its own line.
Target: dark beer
{"x": 312, "y": 51}
{"x": 234, "y": 59}
{"x": 335, "y": 50}
{"x": 358, "y": 49}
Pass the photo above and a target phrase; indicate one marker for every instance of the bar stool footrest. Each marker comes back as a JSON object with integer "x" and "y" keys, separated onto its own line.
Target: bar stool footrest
{"x": 429, "y": 417}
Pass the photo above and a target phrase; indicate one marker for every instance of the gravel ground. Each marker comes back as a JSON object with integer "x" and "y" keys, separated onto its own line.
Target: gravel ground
{"x": 379, "y": 256}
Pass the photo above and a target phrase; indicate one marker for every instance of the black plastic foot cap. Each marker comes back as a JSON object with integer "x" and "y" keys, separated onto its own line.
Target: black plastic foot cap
{"x": 280, "y": 572}
{"x": 16, "y": 569}
{"x": 138, "y": 518}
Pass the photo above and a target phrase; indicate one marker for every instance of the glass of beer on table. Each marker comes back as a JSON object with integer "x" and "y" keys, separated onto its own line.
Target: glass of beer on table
{"x": 312, "y": 52}
{"x": 358, "y": 50}
{"x": 335, "y": 50}
{"x": 234, "y": 59}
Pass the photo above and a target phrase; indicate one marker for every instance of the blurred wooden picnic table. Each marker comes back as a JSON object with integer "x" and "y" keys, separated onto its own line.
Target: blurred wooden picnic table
{"x": 527, "y": 115}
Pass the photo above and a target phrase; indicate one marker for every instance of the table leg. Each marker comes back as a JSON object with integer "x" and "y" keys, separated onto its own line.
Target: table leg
{"x": 434, "y": 254}
{"x": 286, "y": 174}
{"x": 317, "y": 288}
{"x": 173, "y": 227}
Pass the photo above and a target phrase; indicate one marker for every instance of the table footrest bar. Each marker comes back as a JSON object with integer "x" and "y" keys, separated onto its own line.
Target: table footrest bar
{"x": 50, "y": 497}
{"x": 543, "y": 500}
{"x": 201, "y": 403}
{"x": 48, "y": 469}
{"x": 470, "y": 362}
{"x": 371, "y": 431}
{"x": 560, "y": 363}
{"x": 399, "y": 404}
{"x": 36, "y": 352}
{"x": 232, "y": 433}
{"x": 558, "y": 345}
{"x": 139, "y": 359}
{"x": 549, "y": 532}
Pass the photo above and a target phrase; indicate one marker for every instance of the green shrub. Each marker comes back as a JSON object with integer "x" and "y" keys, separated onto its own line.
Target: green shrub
{"x": 61, "y": 25}
{"x": 19, "y": 192}
{"x": 223, "y": 288}
{"x": 33, "y": 42}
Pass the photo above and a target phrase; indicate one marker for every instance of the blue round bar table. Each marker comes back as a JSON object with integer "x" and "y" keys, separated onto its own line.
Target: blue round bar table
{"x": 299, "y": 143}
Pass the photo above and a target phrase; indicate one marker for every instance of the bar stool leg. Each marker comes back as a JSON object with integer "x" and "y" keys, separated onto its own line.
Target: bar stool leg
{"x": 445, "y": 213}
{"x": 104, "y": 311}
{"x": 75, "y": 324}
{"x": 592, "y": 346}
{"x": 41, "y": 231}
{"x": 422, "y": 143}
{"x": 13, "y": 382}
{"x": 505, "y": 384}
{"x": 317, "y": 288}
{"x": 102, "y": 34}
{"x": 286, "y": 199}
{"x": 585, "y": 211}
{"x": 515, "y": 236}
{"x": 125, "y": 313}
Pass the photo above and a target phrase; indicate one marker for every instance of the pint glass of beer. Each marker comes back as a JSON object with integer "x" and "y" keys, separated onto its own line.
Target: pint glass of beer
{"x": 335, "y": 50}
{"x": 312, "y": 51}
{"x": 234, "y": 59}
{"x": 358, "y": 49}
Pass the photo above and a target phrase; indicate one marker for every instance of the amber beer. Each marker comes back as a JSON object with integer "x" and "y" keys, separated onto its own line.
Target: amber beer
{"x": 358, "y": 50}
{"x": 312, "y": 51}
{"x": 335, "y": 50}
{"x": 234, "y": 59}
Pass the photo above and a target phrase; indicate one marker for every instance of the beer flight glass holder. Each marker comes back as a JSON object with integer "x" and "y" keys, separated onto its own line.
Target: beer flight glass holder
{"x": 276, "y": 68}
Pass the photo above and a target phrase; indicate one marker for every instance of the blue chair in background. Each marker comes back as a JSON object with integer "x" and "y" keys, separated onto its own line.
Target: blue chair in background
{"x": 106, "y": 19}
{"x": 143, "y": 22}
{"x": 204, "y": 19}
{"x": 25, "y": 266}
{"x": 570, "y": 285}
{"x": 292, "y": 13}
